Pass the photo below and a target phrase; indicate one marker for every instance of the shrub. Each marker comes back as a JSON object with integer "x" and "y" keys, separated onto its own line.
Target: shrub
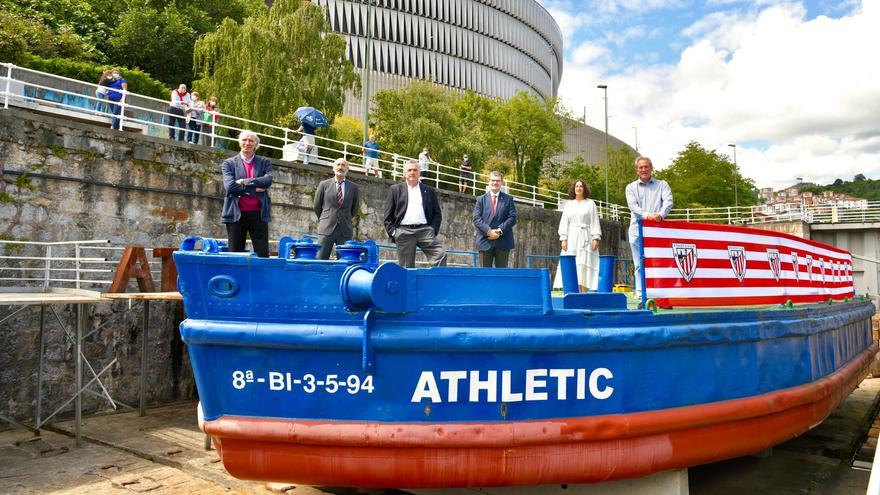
{"x": 138, "y": 81}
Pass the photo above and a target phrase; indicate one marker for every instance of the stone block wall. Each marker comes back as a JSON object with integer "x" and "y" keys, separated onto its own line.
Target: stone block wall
{"x": 71, "y": 181}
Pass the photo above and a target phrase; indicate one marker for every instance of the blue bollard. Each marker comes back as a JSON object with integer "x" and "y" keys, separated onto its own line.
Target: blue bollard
{"x": 606, "y": 272}
{"x": 569, "y": 273}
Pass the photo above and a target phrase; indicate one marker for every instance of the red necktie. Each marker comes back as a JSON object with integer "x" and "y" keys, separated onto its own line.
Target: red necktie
{"x": 494, "y": 204}
{"x": 339, "y": 193}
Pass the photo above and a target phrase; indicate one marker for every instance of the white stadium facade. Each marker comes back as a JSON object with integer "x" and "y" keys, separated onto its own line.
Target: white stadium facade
{"x": 493, "y": 47}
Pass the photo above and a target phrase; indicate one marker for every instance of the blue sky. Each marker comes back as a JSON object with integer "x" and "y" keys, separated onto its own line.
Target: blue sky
{"x": 793, "y": 84}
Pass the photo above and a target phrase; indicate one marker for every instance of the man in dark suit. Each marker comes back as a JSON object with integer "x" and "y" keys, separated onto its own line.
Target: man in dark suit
{"x": 412, "y": 219}
{"x": 246, "y": 207}
{"x": 337, "y": 202}
{"x": 494, "y": 218}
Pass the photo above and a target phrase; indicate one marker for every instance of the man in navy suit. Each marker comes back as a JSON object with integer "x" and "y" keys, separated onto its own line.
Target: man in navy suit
{"x": 246, "y": 207}
{"x": 494, "y": 218}
{"x": 412, "y": 219}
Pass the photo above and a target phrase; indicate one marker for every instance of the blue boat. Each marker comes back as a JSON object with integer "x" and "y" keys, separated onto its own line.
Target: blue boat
{"x": 356, "y": 373}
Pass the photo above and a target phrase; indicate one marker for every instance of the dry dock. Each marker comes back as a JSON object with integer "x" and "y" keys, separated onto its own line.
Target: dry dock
{"x": 164, "y": 453}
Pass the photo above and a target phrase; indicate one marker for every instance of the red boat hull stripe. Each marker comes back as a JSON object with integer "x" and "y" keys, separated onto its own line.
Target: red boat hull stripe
{"x": 573, "y": 450}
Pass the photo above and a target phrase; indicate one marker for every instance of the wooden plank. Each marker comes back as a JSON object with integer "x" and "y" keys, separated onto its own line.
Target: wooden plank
{"x": 152, "y": 296}
{"x": 45, "y": 298}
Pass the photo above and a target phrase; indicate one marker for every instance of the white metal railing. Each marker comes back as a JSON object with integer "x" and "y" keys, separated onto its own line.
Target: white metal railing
{"x": 91, "y": 264}
{"x": 858, "y": 212}
{"x": 72, "y": 98}
{"x": 46, "y": 92}
{"x": 67, "y": 264}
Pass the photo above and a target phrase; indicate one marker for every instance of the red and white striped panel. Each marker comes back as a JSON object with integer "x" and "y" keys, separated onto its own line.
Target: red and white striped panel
{"x": 696, "y": 264}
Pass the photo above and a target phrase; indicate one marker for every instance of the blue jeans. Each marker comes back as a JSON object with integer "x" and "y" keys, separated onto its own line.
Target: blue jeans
{"x": 176, "y": 124}
{"x": 115, "y": 109}
{"x": 635, "y": 245}
{"x": 195, "y": 127}
{"x": 101, "y": 105}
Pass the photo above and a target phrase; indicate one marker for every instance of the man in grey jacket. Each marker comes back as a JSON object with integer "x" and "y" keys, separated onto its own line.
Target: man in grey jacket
{"x": 247, "y": 208}
{"x": 337, "y": 203}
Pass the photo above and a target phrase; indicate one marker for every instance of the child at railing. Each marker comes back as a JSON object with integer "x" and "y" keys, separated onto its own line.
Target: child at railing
{"x": 210, "y": 119}
{"x": 101, "y": 92}
{"x": 196, "y": 115}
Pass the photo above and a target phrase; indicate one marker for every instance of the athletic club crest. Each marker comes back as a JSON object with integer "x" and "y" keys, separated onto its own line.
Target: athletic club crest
{"x": 810, "y": 267}
{"x": 822, "y": 269}
{"x": 685, "y": 259}
{"x": 794, "y": 264}
{"x": 773, "y": 259}
{"x": 737, "y": 255}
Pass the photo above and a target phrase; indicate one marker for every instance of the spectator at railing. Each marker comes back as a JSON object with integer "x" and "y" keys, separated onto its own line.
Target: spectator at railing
{"x": 308, "y": 140}
{"x": 196, "y": 115}
{"x": 116, "y": 97}
{"x": 466, "y": 174}
{"x": 104, "y": 82}
{"x": 425, "y": 163}
{"x": 210, "y": 119}
{"x": 180, "y": 102}
{"x": 371, "y": 157}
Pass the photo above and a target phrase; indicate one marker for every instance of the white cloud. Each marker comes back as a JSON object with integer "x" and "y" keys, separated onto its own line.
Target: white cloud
{"x": 807, "y": 91}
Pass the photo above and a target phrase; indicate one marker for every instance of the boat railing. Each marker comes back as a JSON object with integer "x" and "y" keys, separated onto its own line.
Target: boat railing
{"x": 91, "y": 264}
{"x": 457, "y": 257}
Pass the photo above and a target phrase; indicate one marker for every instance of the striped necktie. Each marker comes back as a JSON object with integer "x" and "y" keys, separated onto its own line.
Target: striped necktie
{"x": 339, "y": 193}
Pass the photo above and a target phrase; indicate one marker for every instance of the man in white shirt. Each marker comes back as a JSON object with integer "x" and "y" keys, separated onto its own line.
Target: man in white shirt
{"x": 412, "y": 219}
{"x": 425, "y": 164}
{"x": 647, "y": 198}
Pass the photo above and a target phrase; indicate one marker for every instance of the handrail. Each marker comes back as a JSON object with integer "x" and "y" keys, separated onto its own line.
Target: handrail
{"x": 391, "y": 164}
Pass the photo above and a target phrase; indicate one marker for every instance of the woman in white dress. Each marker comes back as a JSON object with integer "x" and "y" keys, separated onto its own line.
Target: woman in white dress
{"x": 579, "y": 233}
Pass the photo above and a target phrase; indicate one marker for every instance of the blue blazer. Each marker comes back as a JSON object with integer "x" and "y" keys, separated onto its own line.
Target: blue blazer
{"x": 233, "y": 169}
{"x": 504, "y": 219}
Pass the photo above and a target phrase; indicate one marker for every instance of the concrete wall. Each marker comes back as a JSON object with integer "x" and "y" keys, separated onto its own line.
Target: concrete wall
{"x": 78, "y": 181}
{"x": 797, "y": 228}
{"x": 861, "y": 240}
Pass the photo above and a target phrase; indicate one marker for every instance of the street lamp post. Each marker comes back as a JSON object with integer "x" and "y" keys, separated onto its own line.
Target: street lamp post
{"x": 605, "y": 89}
{"x": 735, "y": 180}
{"x": 367, "y": 67}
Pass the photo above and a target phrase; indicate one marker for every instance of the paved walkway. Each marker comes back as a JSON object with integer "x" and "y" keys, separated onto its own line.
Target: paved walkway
{"x": 163, "y": 453}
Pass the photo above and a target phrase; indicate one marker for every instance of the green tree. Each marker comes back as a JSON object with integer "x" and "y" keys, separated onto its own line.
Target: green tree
{"x": 158, "y": 42}
{"x": 346, "y": 129}
{"x": 621, "y": 171}
{"x": 422, "y": 114}
{"x": 20, "y": 35}
{"x": 273, "y": 62}
{"x": 703, "y": 178}
{"x": 527, "y": 130}
{"x": 473, "y": 115}
{"x": 58, "y": 28}
{"x": 860, "y": 187}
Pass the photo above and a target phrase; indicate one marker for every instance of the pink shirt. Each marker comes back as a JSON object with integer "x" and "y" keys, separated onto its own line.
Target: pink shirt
{"x": 249, "y": 202}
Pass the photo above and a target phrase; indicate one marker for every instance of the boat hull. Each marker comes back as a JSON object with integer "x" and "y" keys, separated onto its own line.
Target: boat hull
{"x": 574, "y": 450}
{"x": 377, "y": 376}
